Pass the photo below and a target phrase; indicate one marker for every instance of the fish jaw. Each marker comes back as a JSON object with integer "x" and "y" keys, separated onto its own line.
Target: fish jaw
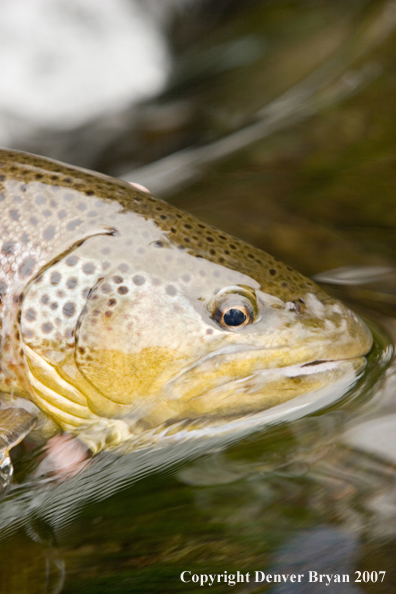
{"x": 322, "y": 348}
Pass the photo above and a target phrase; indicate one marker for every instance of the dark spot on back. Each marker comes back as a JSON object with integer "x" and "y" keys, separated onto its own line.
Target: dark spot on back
{"x": 73, "y": 224}
{"x": 139, "y": 280}
{"x": 72, "y": 260}
{"x": 55, "y": 278}
{"x": 27, "y": 266}
{"x": 71, "y": 282}
{"x": 8, "y": 247}
{"x": 30, "y": 315}
{"x": 171, "y": 290}
{"x": 14, "y": 214}
{"x": 88, "y": 268}
{"x": 69, "y": 309}
{"x": 49, "y": 233}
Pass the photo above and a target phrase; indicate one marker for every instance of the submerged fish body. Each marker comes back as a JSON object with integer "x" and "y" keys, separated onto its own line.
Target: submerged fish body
{"x": 121, "y": 313}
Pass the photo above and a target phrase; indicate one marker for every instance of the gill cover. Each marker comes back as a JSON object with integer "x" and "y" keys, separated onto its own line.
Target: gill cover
{"x": 133, "y": 334}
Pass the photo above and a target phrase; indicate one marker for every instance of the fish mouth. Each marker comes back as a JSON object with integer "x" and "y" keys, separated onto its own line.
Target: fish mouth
{"x": 200, "y": 392}
{"x": 322, "y": 365}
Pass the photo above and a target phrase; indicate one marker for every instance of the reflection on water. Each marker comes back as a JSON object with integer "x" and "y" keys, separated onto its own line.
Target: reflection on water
{"x": 312, "y": 84}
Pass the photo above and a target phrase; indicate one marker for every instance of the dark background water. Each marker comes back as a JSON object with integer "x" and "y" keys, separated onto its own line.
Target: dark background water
{"x": 275, "y": 121}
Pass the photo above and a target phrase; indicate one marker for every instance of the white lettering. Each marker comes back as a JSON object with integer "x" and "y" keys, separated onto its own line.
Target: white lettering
{"x": 313, "y": 576}
{"x": 259, "y": 576}
{"x": 182, "y": 576}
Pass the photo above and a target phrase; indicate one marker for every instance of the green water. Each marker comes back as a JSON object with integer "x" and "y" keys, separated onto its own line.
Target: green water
{"x": 317, "y": 190}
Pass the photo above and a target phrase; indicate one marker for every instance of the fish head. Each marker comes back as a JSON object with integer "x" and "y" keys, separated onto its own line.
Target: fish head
{"x": 201, "y": 339}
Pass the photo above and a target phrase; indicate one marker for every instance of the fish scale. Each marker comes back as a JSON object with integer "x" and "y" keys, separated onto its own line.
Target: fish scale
{"x": 113, "y": 310}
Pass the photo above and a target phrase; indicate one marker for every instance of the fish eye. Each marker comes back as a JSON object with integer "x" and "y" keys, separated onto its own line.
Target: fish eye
{"x": 233, "y": 316}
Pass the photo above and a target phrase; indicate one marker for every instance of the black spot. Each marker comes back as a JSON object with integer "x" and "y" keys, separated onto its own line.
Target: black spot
{"x": 209, "y": 331}
{"x": 158, "y": 244}
{"x": 47, "y": 212}
{"x": 47, "y": 328}
{"x": 2, "y": 177}
{"x": 122, "y": 290}
{"x": 108, "y": 313}
{"x": 118, "y": 279}
{"x": 40, "y": 200}
{"x": 8, "y": 247}
{"x": 111, "y": 302}
{"x": 272, "y": 271}
{"x": 89, "y": 192}
{"x": 232, "y": 246}
{"x": 62, "y": 214}
{"x": 49, "y": 233}
{"x": 14, "y": 214}
{"x": 209, "y": 238}
{"x": 33, "y": 220}
{"x": 25, "y": 238}
{"x": 54, "y": 306}
{"x": 55, "y": 278}
{"x": 123, "y": 267}
{"x": 105, "y": 288}
{"x": 71, "y": 282}
{"x": 3, "y": 288}
{"x": 30, "y": 315}
{"x": 71, "y": 260}
{"x": 45, "y": 299}
{"x": 2, "y": 197}
{"x": 88, "y": 268}
{"x": 213, "y": 252}
{"x": 27, "y": 266}
{"x": 69, "y": 309}
{"x": 139, "y": 280}
{"x": 187, "y": 226}
{"x": 171, "y": 290}
{"x": 73, "y": 224}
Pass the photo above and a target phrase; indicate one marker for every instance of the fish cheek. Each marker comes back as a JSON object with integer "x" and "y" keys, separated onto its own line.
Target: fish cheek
{"x": 127, "y": 339}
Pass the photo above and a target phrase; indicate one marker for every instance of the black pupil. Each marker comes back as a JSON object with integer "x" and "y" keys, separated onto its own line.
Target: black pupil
{"x": 234, "y": 317}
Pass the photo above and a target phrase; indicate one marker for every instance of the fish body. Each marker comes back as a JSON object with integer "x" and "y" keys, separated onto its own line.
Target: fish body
{"x": 120, "y": 313}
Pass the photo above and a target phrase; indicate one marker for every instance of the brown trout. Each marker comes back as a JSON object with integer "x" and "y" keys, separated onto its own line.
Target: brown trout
{"x": 121, "y": 314}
